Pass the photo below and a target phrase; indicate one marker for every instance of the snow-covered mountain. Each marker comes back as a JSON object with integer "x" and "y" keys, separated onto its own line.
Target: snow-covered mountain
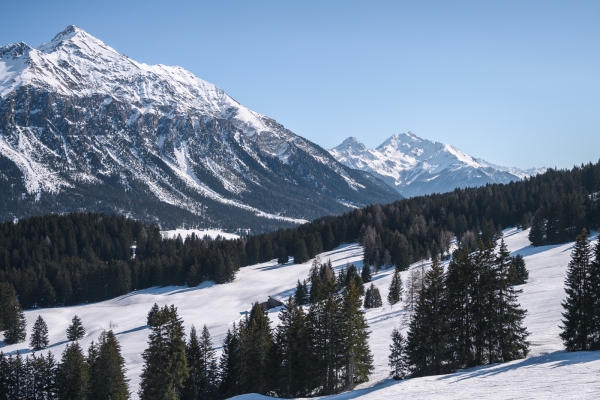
{"x": 83, "y": 127}
{"x": 415, "y": 166}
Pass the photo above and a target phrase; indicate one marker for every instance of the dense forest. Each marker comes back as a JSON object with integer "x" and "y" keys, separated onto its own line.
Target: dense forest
{"x": 69, "y": 259}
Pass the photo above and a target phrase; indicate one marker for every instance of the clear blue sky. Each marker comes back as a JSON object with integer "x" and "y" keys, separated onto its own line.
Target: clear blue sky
{"x": 514, "y": 82}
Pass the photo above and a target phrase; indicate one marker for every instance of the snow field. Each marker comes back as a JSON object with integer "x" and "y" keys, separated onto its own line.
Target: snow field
{"x": 547, "y": 373}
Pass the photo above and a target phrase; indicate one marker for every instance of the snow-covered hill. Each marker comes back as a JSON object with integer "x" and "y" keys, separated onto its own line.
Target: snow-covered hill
{"x": 547, "y": 373}
{"x": 416, "y": 166}
{"x": 83, "y": 127}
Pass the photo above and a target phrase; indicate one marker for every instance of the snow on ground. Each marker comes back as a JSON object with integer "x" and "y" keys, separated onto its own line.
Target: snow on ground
{"x": 212, "y": 233}
{"x": 548, "y": 372}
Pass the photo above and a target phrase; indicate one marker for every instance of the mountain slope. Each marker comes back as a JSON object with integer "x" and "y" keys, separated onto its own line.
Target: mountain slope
{"x": 416, "y": 166}
{"x": 83, "y": 127}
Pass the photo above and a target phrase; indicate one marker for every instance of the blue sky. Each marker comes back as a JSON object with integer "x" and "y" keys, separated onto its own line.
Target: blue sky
{"x": 514, "y": 82}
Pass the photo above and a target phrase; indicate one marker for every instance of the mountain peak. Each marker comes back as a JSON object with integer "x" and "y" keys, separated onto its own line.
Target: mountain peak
{"x": 350, "y": 144}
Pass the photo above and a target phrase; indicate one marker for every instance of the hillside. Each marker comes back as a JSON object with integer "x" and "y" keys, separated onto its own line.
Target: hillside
{"x": 85, "y": 128}
{"x": 548, "y": 371}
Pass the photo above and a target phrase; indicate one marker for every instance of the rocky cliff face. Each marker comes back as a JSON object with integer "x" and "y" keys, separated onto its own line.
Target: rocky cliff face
{"x": 84, "y": 128}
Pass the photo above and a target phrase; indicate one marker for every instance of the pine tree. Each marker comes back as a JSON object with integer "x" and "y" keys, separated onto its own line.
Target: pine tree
{"x": 72, "y": 379}
{"x": 42, "y": 382}
{"x": 14, "y": 324}
{"x": 356, "y": 355}
{"x": 283, "y": 257}
{"x": 427, "y": 347}
{"x": 537, "y": 234}
{"x": 301, "y": 296}
{"x": 5, "y": 372}
{"x": 577, "y": 322}
{"x": 372, "y": 297}
{"x": 75, "y": 331}
{"x": 39, "y": 334}
{"x": 395, "y": 289}
{"x": 165, "y": 366}
{"x": 107, "y": 371}
{"x": 518, "y": 270}
{"x": 397, "y": 359}
{"x": 18, "y": 382}
{"x": 366, "y": 274}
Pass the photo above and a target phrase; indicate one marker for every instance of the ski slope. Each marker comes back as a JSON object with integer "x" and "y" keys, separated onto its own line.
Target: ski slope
{"x": 547, "y": 373}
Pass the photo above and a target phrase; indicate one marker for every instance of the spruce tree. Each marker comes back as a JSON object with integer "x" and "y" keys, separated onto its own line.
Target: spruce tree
{"x": 152, "y": 314}
{"x": 293, "y": 352}
{"x": 594, "y": 302}
{"x": 107, "y": 372}
{"x": 39, "y": 334}
{"x": 283, "y": 257}
{"x": 42, "y": 382}
{"x": 14, "y": 324}
{"x": 397, "y": 359}
{"x": 356, "y": 355}
{"x": 72, "y": 378}
{"x": 230, "y": 364}
{"x": 202, "y": 382}
{"x": 395, "y": 289}
{"x": 301, "y": 296}
{"x": 372, "y": 297}
{"x": 256, "y": 342}
{"x": 366, "y": 274}
{"x": 427, "y": 338}
{"x": 577, "y": 322}
{"x": 518, "y": 270}
{"x": 75, "y": 331}
{"x": 165, "y": 366}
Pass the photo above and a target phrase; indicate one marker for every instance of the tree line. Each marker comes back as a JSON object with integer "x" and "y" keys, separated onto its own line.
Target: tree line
{"x": 74, "y": 258}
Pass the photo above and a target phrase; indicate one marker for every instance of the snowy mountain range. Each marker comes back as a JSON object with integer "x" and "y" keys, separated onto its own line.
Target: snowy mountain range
{"x": 84, "y": 128}
{"x": 415, "y": 166}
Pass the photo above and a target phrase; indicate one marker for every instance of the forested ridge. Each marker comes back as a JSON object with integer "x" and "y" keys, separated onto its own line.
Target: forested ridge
{"x": 74, "y": 258}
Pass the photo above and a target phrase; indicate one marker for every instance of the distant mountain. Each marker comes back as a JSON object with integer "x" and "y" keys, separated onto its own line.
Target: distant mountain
{"x": 415, "y": 166}
{"x": 84, "y": 128}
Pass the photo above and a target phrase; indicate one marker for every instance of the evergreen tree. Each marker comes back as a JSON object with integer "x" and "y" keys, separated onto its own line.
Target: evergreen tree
{"x": 5, "y": 371}
{"x": 300, "y": 251}
{"x": 372, "y": 297}
{"x": 292, "y": 343}
{"x": 395, "y": 289}
{"x": 577, "y": 322}
{"x": 397, "y": 359}
{"x": 537, "y": 233}
{"x": 39, "y": 334}
{"x": 75, "y": 331}
{"x": 165, "y": 366}
{"x": 427, "y": 338}
{"x": 356, "y": 356}
{"x": 594, "y": 302}
{"x": 283, "y": 257}
{"x": 230, "y": 365}
{"x": 107, "y": 371}
{"x": 518, "y": 270}
{"x": 202, "y": 382}
{"x": 256, "y": 342}
{"x": 366, "y": 274}
{"x": 42, "y": 382}
{"x": 301, "y": 296}
{"x": 14, "y": 324}
{"x": 511, "y": 335}
{"x": 72, "y": 379}
{"x": 152, "y": 315}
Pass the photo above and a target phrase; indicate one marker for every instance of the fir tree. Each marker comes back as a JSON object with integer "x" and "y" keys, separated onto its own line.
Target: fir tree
{"x": 301, "y": 296}
{"x": 395, "y": 289}
{"x": 577, "y": 319}
{"x": 75, "y": 331}
{"x": 283, "y": 257}
{"x": 152, "y": 315}
{"x": 107, "y": 371}
{"x": 518, "y": 270}
{"x": 165, "y": 366}
{"x": 14, "y": 324}
{"x": 39, "y": 334}
{"x": 356, "y": 355}
{"x": 397, "y": 359}
{"x": 427, "y": 339}
{"x": 372, "y": 297}
{"x": 366, "y": 274}
{"x": 594, "y": 302}
{"x": 256, "y": 343}
{"x": 42, "y": 382}
{"x": 72, "y": 380}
